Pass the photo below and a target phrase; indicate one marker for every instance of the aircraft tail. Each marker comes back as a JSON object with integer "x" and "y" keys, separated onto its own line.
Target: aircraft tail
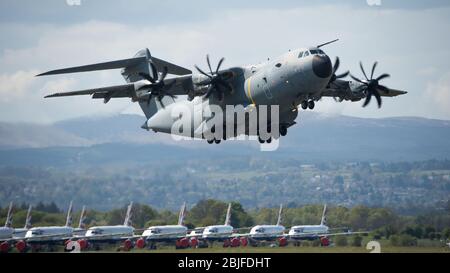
{"x": 82, "y": 223}
{"x": 69, "y": 215}
{"x": 128, "y": 216}
{"x": 228, "y": 217}
{"x": 323, "y": 221}
{"x": 279, "y": 215}
{"x": 182, "y": 214}
{"x": 9, "y": 216}
{"x": 28, "y": 224}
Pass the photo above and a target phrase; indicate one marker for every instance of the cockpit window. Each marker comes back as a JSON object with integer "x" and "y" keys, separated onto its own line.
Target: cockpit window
{"x": 155, "y": 231}
{"x": 316, "y": 51}
{"x": 320, "y": 51}
{"x": 306, "y": 54}
{"x": 300, "y": 55}
{"x": 260, "y": 230}
{"x": 213, "y": 230}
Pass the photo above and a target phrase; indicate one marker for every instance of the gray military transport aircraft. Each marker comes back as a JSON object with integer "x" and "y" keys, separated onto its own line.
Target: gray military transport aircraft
{"x": 299, "y": 77}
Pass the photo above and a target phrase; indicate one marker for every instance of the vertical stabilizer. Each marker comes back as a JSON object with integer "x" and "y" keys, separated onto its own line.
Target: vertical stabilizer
{"x": 228, "y": 217}
{"x": 279, "y": 215}
{"x": 82, "y": 223}
{"x": 127, "y": 221}
{"x": 28, "y": 224}
{"x": 9, "y": 217}
{"x": 323, "y": 221}
{"x": 69, "y": 215}
{"x": 182, "y": 214}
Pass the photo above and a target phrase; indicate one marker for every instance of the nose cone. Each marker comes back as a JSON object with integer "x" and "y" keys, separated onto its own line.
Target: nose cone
{"x": 322, "y": 66}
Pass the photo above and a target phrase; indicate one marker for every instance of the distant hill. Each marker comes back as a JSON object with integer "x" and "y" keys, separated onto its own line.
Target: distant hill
{"x": 316, "y": 137}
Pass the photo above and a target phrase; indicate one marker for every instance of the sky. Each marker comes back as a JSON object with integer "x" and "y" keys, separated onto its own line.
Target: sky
{"x": 409, "y": 39}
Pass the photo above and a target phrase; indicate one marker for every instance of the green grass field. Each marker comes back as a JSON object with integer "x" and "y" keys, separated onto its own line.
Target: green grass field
{"x": 292, "y": 249}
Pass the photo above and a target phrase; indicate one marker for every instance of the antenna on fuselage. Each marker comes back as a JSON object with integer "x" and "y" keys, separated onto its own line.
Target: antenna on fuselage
{"x": 327, "y": 43}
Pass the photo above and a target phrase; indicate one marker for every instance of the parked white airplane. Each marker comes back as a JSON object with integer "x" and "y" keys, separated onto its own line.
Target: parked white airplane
{"x": 219, "y": 232}
{"x": 7, "y": 231}
{"x": 312, "y": 232}
{"x": 264, "y": 233}
{"x": 95, "y": 236}
{"x": 165, "y": 234}
{"x": 39, "y": 237}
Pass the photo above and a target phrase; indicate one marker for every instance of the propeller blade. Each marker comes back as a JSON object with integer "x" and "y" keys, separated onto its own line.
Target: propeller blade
{"x": 383, "y": 76}
{"x": 362, "y": 69}
{"x": 369, "y": 96}
{"x": 373, "y": 69}
{"x": 209, "y": 92}
{"x": 201, "y": 71}
{"x": 356, "y": 79}
{"x": 336, "y": 65}
{"x": 209, "y": 63}
{"x": 163, "y": 74}
{"x": 154, "y": 71}
{"x": 378, "y": 97}
{"x": 147, "y": 77}
{"x": 218, "y": 65}
{"x": 343, "y": 75}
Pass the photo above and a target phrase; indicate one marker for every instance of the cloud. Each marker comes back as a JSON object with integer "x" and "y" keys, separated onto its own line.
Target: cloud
{"x": 243, "y": 36}
{"x": 439, "y": 93}
{"x": 14, "y": 86}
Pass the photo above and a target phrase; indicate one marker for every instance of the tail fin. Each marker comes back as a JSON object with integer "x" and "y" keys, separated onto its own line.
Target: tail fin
{"x": 9, "y": 217}
{"x": 69, "y": 215}
{"x": 127, "y": 221}
{"x": 82, "y": 223}
{"x": 323, "y": 221}
{"x": 28, "y": 224}
{"x": 182, "y": 214}
{"x": 228, "y": 217}
{"x": 279, "y": 215}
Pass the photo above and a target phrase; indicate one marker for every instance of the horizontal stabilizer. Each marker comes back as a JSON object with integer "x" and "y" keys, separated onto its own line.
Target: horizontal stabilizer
{"x": 96, "y": 67}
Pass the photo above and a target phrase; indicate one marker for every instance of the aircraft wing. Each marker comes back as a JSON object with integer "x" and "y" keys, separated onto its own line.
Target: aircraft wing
{"x": 175, "y": 86}
{"x": 346, "y": 90}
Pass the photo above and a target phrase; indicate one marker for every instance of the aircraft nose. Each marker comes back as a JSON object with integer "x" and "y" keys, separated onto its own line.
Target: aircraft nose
{"x": 322, "y": 66}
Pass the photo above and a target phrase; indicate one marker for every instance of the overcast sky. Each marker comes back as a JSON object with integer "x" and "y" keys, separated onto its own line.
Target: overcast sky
{"x": 410, "y": 39}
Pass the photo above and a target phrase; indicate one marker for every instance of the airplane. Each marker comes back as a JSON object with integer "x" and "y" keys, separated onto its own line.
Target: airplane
{"x": 296, "y": 79}
{"x": 261, "y": 234}
{"x": 99, "y": 235}
{"x": 313, "y": 232}
{"x": 222, "y": 233}
{"x": 8, "y": 235}
{"x": 166, "y": 234}
{"x": 38, "y": 238}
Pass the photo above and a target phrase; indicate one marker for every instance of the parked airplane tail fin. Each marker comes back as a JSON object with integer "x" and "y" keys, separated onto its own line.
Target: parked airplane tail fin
{"x": 279, "y": 215}
{"x": 28, "y": 224}
{"x": 82, "y": 223}
{"x": 323, "y": 221}
{"x": 228, "y": 217}
{"x": 69, "y": 215}
{"x": 182, "y": 214}
{"x": 9, "y": 216}
{"x": 128, "y": 216}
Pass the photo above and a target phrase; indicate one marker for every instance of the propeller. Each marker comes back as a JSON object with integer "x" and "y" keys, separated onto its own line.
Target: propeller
{"x": 215, "y": 81}
{"x": 334, "y": 77}
{"x": 372, "y": 85}
{"x": 157, "y": 87}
